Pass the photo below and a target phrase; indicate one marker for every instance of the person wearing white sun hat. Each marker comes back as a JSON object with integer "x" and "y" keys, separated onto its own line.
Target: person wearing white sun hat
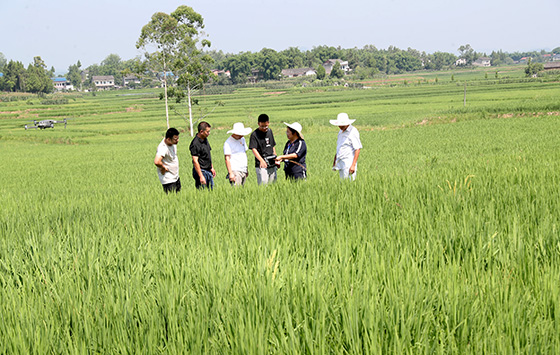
{"x": 295, "y": 152}
{"x": 235, "y": 149}
{"x": 348, "y": 147}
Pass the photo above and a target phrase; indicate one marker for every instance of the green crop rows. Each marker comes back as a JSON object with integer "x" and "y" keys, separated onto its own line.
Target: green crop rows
{"x": 448, "y": 241}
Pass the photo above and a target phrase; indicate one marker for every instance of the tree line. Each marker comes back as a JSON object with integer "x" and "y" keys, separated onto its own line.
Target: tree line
{"x": 267, "y": 64}
{"x": 16, "y": 78}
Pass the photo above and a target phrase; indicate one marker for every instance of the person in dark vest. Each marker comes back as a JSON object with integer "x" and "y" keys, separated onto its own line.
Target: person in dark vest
{"x": 294, "y": 153}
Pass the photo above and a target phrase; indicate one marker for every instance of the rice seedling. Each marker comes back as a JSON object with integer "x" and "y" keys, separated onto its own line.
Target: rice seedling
{"x": 446, "y": 243}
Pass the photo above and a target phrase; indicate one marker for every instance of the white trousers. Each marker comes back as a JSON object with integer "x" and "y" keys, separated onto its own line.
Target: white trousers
{"x": 345, "y": 174}
{"x": 266, "y": 175}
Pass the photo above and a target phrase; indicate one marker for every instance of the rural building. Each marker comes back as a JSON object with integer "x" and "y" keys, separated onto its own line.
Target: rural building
{"x": 62, "y": 84}
{"x": 552, "y": 66}
{"x": 256, "y": 75}
{"x": 219, "y": 72}
{"x": 131, "y": 79}
{"x": 482, "y": 62}
{"x": 461, "y": 61}
{"x": 329, "y": 64}
{"x": 104, "y": 82}
{"x": 556, "y": 57}
{"x": 293, "y": 73}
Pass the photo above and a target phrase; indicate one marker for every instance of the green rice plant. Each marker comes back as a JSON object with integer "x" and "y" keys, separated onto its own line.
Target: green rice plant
{"x": 446, "y": 243}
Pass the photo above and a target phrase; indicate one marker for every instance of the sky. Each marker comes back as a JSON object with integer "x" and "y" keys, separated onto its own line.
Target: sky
{"x": 62, "y": 32}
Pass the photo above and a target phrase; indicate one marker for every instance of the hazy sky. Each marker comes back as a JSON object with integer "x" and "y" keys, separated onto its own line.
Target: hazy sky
{"x": 65, "y": 31}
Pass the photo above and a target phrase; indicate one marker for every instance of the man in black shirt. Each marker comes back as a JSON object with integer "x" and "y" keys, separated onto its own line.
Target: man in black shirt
{"x": 203, "y": 170}
{"x": 262, "y": 144}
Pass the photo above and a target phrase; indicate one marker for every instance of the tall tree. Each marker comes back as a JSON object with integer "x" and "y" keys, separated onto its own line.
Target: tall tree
{"x": 467, "y": 53}
{"x": 37, "y": 77}
{"x": 172, "y": 42}
{"x": 112, "y": 65}
{"x": 321, "y": 72}
{"x": 533, "y": 68}
{"x": 239, "y": 67}
{"x": 3, "y": 61}
{"x": 75, "y": 74}
{"x": 15, "y": 78}
{"x": 336, "y": 72}
{"x": 270, "y": 63}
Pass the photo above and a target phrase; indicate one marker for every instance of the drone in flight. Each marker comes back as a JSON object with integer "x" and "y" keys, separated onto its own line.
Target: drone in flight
{"x": 45, "y": 124}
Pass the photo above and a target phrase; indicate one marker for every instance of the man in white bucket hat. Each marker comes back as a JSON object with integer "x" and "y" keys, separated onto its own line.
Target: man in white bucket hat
{"x": 348, "y": 147}
{"x": 235, "y": 149}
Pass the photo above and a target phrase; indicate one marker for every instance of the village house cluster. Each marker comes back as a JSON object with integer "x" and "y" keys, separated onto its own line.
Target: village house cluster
{"x": 101, "y": 82}
{"x": 107, "y": 82}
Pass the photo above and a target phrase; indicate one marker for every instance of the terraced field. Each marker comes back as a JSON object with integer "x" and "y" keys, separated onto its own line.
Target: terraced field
{"x": 448, "y": 241}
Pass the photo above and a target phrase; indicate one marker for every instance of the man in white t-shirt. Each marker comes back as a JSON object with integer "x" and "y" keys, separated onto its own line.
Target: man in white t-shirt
{"x": 167, "y": 161}
{"x": 235, "y": 149}
{"x": 348, "y": 147}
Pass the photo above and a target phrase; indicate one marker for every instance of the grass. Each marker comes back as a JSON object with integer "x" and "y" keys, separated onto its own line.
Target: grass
{"x": 446, "y": 243}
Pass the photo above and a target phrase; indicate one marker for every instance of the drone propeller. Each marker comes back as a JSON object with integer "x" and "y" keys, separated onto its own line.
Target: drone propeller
{"x": 29, "y": 127}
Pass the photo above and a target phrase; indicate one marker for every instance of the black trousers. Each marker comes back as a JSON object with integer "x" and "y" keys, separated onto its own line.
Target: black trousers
{"x": 173, "y": 186}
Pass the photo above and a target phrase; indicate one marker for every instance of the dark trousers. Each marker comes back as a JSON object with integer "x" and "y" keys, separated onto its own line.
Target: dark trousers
{"x": 300, "y": 175}
{"x": 207, "y": 175}
{"x": 173, "y": 186}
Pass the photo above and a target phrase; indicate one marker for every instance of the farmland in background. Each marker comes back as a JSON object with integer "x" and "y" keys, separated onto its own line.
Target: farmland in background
{"x": 447, "y": 242}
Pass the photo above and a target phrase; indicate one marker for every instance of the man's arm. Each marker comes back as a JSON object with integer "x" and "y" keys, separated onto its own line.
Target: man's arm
{"x": 286, "y": 156}
{"x": 263, "y": 163}
{"x": 228, "y": 166}
{"x": 158, "y": 161}
{"x": 198, "y": 170}
{"x": 353, "y": 166}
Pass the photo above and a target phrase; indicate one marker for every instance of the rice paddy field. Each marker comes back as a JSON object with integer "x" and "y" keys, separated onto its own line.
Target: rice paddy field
{"x": 447, "y": 242}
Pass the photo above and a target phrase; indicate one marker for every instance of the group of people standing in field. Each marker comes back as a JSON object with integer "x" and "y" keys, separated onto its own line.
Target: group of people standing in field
{"x": 263, "y": 147}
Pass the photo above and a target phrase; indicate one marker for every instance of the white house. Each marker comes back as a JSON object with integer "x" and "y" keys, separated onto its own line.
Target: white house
{"x": 104, "y": 82}
{"x": 482, "y": 62}
{"x": 293, "y": 73}
{"x": 461, "y": 61}
{"x": 130, "y": 79}
{"x": 329, "y": 64}
{"x": 62, "y": 84}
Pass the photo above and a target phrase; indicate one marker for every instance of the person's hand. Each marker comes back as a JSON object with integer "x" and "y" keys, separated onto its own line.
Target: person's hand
{"x": 163, "y": 169}
{"x": 231, "y": 177}
{"x": 278, "y": 159}
{"x": 213, "y": 172}
{"x": 202, "y": 180}
{"x": 352, "y": 170}
{"x": 263, "y": 165}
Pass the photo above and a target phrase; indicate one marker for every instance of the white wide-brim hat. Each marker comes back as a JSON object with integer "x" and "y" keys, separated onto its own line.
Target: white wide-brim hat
{"x": 296, "y": 127}
{"x": 342, "y": 120}
{"x": 240, "y": 129}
